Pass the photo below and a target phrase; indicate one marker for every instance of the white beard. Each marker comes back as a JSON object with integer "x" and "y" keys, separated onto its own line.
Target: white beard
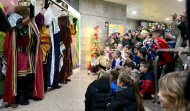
{"x": 48, "y": 16}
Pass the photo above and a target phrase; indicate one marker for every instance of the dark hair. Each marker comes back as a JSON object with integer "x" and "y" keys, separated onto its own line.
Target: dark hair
{"x": 97, "y": 54}
{"x": 127, "y": 46}
{"x": 118, "y": 53}
{"x": 150, "y": 34}
{"x": 146, "y": 64}
{"x": 126, "y": 34}
{"x": 137, "y": 47}
{"x": 157, "y": 31}
{"x": 130, "y": 54}
{"x": 129, "y": 64}
{"x": 114, "y": 74}
{"x": 143, "y": 52}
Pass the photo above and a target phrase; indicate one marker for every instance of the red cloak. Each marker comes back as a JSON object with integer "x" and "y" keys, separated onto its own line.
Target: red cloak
{"x": 10, "y": 79}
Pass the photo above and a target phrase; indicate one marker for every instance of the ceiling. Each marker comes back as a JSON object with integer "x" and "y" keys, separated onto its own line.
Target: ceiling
{"x": 152, "y": 10}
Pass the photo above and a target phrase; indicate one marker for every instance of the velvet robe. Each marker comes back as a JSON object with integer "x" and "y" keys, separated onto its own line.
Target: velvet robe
{"x": 65, "y": 35}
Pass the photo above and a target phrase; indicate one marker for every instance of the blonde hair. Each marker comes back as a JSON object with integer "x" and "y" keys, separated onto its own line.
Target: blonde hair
{"x": 120, "y": 69}
{"x": 131, "y": 82}
{"x": 172, "y": 87}
{"x": 103, "y": 75}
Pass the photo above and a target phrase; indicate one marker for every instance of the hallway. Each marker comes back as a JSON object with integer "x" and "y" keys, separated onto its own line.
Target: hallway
{"x": 69, "y": 97}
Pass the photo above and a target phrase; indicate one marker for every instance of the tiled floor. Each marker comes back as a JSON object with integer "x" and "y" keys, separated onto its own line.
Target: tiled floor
{"x": 69, "y": 98}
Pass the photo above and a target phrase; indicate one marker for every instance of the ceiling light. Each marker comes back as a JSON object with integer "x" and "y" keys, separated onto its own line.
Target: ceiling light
{"x": 134, "y": 12}
{"x": 167, "y": 18}
{"x": 179, "y": 0}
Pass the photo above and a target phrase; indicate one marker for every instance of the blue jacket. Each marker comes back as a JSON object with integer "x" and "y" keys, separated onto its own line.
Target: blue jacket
{"x": 114, "y": 86}
{"x": 136, "y": 59}
{"x": 114, "y": 63}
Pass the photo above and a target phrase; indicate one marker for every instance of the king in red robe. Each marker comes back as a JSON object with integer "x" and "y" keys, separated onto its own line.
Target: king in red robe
{"x": 24, "y": 63}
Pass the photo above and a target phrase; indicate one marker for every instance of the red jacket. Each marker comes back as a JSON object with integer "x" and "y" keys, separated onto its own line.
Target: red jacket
{"x": 160, "y": 43}
{"x": 148, "y": 83}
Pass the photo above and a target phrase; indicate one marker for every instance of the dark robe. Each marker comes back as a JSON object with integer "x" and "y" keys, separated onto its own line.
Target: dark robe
{"x": 65, "y": 35}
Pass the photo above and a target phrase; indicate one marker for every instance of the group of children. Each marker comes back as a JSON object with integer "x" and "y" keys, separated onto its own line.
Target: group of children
{"x": 127, "y": 77}
{"x": 118, "y": 90}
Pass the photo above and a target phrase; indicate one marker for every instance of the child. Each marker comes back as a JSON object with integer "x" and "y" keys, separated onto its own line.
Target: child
{"x": 147, "y": 39}
{"x": 130, "y": 68}
{"x": 171, "y": 87}
{"x": 94, "y": 63}
{"x": 128, "y": 55}
{"x": 98, "y": 93}
{"x": 117, "y": 61}
{"x": 126, "y": 48}
{"x": 114, "y": 76}
{"x": 147, "y": 85}
{"x": 127, "y": 98}
{"x": 141, "y": 57}
{"x": 165, "y": 59}
{"x": 135, "y": 52}
{"x": 103, "y": 60}
{"x": 120, "y": 48}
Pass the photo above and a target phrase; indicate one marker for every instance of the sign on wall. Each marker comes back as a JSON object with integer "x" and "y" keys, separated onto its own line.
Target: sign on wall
{"x": 116, "y": 28}
{"x": 113, "y": 30}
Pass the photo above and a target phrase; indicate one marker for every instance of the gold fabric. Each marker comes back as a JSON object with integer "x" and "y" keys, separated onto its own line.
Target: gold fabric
{"x": 45, "y": 42}
{"x": 72, "y": 29}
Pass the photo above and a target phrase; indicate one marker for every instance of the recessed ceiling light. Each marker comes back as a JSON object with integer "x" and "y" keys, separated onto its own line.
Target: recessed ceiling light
{"x": 179, "y": 0}
{"x": 167, "y": 18}
{"x": 134, "y": 12}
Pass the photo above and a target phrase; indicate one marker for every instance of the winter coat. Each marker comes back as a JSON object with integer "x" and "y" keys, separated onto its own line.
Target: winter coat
{"x": 135, "y": 74}
{"x": 124, "y": 100}
{"x": 148, "y": 83}
{"x": 98, "y": 95}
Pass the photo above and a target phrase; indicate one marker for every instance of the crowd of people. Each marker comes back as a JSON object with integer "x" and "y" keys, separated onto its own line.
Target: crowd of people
{"x": 125, "y": 69}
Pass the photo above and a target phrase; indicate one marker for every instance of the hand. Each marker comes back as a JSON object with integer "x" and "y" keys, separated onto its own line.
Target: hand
{"x": 139, "y": 43}
{"x": 46, "y": 5}
{"x": 31, "y": 11}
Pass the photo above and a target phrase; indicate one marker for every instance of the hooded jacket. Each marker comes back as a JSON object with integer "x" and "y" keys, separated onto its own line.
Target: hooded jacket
{"x": 98, "y": 95}
{"x": 124, "y": 100}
